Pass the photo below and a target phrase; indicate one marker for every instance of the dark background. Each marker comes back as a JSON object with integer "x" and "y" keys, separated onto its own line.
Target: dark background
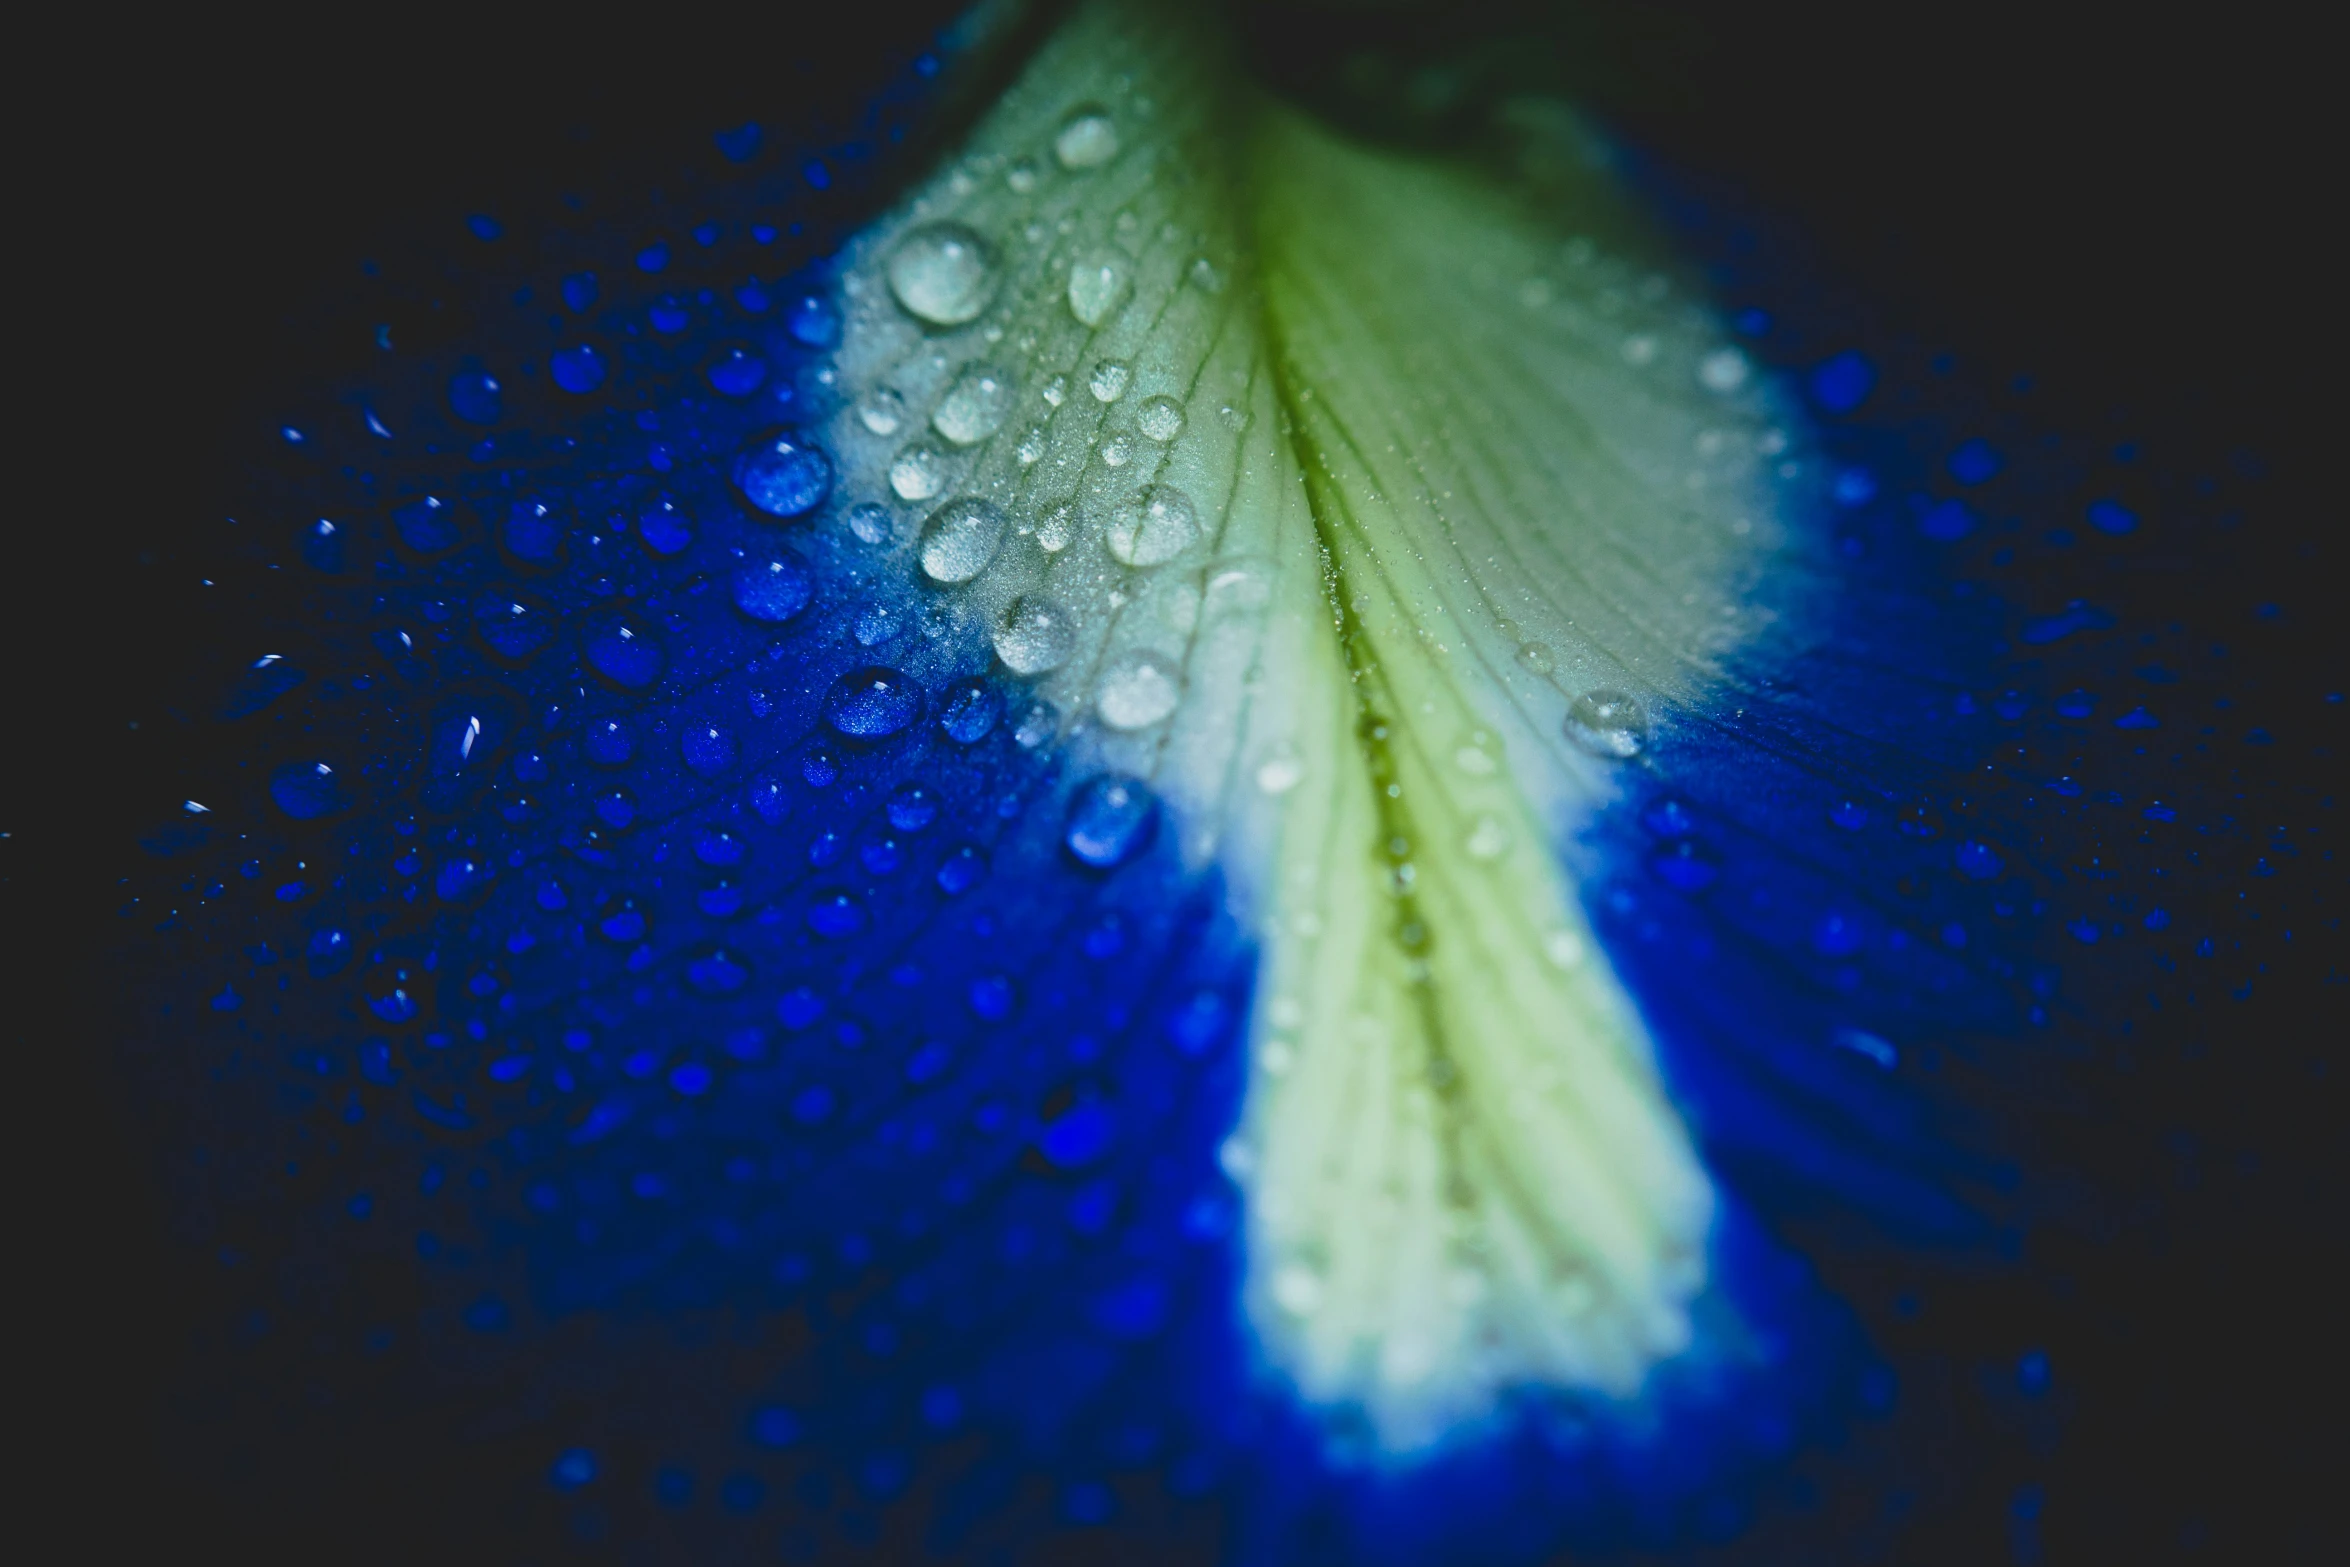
{"x": 2133, "y": 203}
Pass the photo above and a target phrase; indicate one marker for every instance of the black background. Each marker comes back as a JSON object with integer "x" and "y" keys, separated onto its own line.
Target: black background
{"x": 2133, "y": 202}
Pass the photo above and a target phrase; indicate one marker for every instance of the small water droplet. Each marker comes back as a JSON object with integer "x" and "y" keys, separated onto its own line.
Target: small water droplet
{"x": 1098, "y": 286}
{"x": 784, "y": 475}
{"x": 1032, "y": 446}
{"x": 918, "y": 473}
{"x": 1297, "y": 1289}
{"x": 1608, "y": 723}
{"x": 960, "y": 538}
{"x": 1109, "y": 381}
{"x": 1088, "y": 138}
{"x": 1563, "y": 948}
{"x": 773, "y": 590}
{"x": 869, "y": 521}
{"x": 1639, "y": 349}
{"x": 1116, "y": 451}
{"x": 1111, "y": 820}
{"x": 1056, "y": 390}
{"x": 1153, "y": 529}
{"x": 975, "y": 407}
{"x": 1536, "y": 657}
{"x": 1057, "y": 528}
{"x": 1034, "y": 635}
{"x": 1488, "y": 839}
{"x": 969, "y": 712}
{"x": 1137, "y": 690}
{"x": 943, "y": 274}
{"x": 1723, "y": 370}
{"x": 1039, "y": 723}
{"x": 1022, "y": 177}
{"x": 1205, "y": 277}
{"x": 1281, "y": 771}
{"x": 883, "y": 412}
{"x": 872, "y": 703}
{"x": 1161, "y": 418}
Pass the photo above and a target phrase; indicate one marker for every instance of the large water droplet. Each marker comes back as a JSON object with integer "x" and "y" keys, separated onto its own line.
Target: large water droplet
{"x": 773, "y": 590}
{"x": 1098, "y": 285}
{"x": 872, "y": 703}
{"x": 918, "y": 473}
{"x": 943, "y": 274}
{"x": 1137, "y": 690}
{"x": 1088, "y": 138}
{"x": 1609, "y": 724}
{"x": 1161, "y": 418}
{"x": 975, "y": 407}
{"x": 1153, "y": 529}
{"x": 1110, "y": 821}
{"x": 960, "y": 539}
{"x": 1035, "y": 635}
{"x": 784, "y": 476}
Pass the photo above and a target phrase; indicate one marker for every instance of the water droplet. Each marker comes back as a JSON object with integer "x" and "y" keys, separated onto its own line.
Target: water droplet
{"x": 1035, "y": 635}
{"x": 475, "y": 396}
{"x": 960, "y": 539}
{"x": 1022, "y": 177}
{"x": 1032, "y": 446}
{"x": 969, "y": 712}
{"x": 1115, "y": 451}
{"x": 1109, "y": 381}
{"x": 975, "y": 407}
{"x": 578, "y": 369}
{"x": 1281, "y": 771}
{"x": 512, "y": 629}
{"x": 1609, "y": 724}
{"x": 1297, "y": 1289}
{"x": 1488, "y": 839}
{"x": 1056, "y": 391}
{"x": 1639, "y": 349}
{"x": 1205, "y": 277}
{"x": 737, "y": 372}
{"x": 1088, "y": 138}
{"x": 869, "y": 521}
{"x": 1111, "y": 820}
{"x": 1723, "y": 370}
{"x": 620, "y": 649}
{"x": 1537, "y": 658}
{"x": 1098, "y": 286}
{"x": 1057, "y": 528}
{"x": 784, "y": 476}
{"x": 1038, "y": 724}
{"x": 918, "y": 473}
{"x": 1137, "y": 690}
{"x": 872, "y": 703}
{"x": 883, "y": 412}
{"x": 1152, "y": 530}
{"x": 773, "y": 590}
{"x": 306, "y": 791}
{"x": 1161, "y": 418}
{"x": 1564, "y": 949}
{"x": 943, "y": 274}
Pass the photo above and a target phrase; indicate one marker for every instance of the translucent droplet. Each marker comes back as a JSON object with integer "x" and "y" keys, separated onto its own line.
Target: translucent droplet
{"x": 869, "y": 521}
{"x": 1032, "y": 447}
{"x": 1109, "y": 381}
{"x": 1639, "y": 349}
{"x": 773, "y": 591}
{"x": 1723, "y": 370}
{"x": 1110, "y": 821}
{"x": 1608, "y": 723}
{"x": 1056, "y": 390}
{"x": 1088, "y": 139}
{"x": 960, "y": 539}
{"x": 872, "y": 703}
{"x": 1281, "y": 771}
{"x": 884, "y": 412}
{"x": 1116, "y": 451}
{"x": 943, "y": 274}
{"x": 1038, "y": 724}
{"x": 1205, "y": 277}
{"x": 1137, "y": 690}
{"x": 1488, "y": 839}
{"x": 1161, "y": 418}
{"x": 1057, "y": 528}
{"x": 1537, "y": 658}
{"x": 1098, "y": 285}
{"x": 975, "y": 407}
{"x": 1034, "y": 635}
{"x": 1297, "y": 1289}
{"x": 1022, "y": 177}
{"x": 1152, "y": 530}
{"x": 784, "y": 476}
{"x": 969, "y": 712}
{"x": 1472, "y": 758}
{"x": 918, "y": 473}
